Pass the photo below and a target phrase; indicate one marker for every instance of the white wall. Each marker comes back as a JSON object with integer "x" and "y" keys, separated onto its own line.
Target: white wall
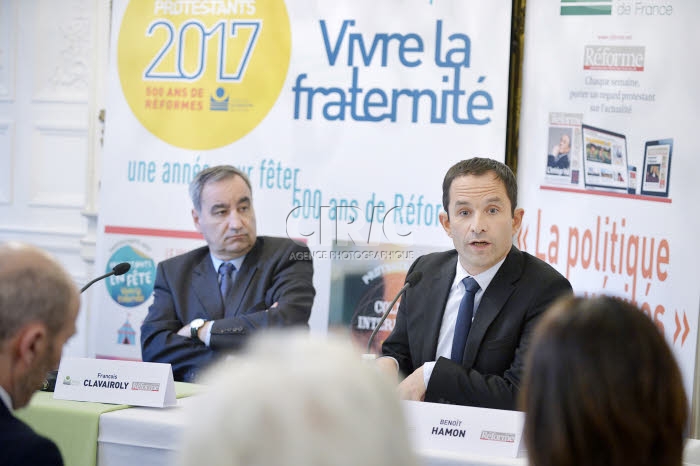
{"x": 52, "y": 57}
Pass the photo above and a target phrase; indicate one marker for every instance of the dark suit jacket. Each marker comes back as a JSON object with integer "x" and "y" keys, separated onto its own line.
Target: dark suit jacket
{"x": 20, "y": 445}
{"x": 276, "y": 270}
{"x": 492, "y": 366}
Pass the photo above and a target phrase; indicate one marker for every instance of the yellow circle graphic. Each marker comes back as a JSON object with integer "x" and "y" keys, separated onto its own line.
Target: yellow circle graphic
{"x": 201, "y": 75}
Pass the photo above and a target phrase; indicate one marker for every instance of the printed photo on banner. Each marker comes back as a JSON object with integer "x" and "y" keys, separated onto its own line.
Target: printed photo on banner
{"x": 564, "y": 148}
{"x": 657, "y": 167}
{"x": 364, "y": 281}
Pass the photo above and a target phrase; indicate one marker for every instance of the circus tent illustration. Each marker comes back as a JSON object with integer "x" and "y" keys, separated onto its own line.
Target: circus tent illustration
{"x": 127, "y": 334}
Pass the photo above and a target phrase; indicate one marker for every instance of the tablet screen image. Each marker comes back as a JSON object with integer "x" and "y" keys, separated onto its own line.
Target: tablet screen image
{"x": 604, "y": 159}
{"x": 656, "y": 173}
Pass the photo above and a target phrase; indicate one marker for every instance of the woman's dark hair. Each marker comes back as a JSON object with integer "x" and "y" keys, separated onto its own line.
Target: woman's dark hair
{"x": 602, "y": 388}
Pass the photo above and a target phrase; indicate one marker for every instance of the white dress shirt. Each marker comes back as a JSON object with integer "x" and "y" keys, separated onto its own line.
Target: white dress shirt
{"x": 6, "y": 399}
{"x": 449, "y": 317}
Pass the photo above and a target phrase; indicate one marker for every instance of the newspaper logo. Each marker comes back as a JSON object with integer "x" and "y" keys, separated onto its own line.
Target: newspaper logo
{"x": 622, "y": 58}
{"x": 145, "y": 386}
{"x": 585, "y": 8}
{"x": 497, "y": 436}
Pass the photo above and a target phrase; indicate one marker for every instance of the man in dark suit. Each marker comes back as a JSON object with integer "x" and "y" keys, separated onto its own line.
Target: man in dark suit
{"x": 38, "y": 307}
{"x": 509, "y": 290}
{"x": 202, "y": 307}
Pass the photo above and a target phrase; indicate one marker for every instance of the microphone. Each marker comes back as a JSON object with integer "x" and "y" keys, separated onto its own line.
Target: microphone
{"x": 49, "y": 384}
{"x": 412, "y": 279}
{"x": 119, "y": 269}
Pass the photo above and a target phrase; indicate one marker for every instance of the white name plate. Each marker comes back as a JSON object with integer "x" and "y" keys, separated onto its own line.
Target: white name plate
{"x": 117, "y": 382}
{"x": 464, "y": 429}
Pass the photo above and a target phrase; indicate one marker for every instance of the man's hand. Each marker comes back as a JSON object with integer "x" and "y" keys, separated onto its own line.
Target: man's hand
{"x": 388, "y": 366}
{"x": 185, "y": 331}
{"x": 413, "y": 387}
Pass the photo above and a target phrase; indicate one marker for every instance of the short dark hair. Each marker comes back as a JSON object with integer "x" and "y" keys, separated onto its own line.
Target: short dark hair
{"x": 591, "y": 392}
{"x": 210, "y": 175}
{"x": 478, "y": 166}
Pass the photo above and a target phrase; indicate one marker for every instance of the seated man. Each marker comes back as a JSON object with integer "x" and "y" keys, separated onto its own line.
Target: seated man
{"x": 208, "y": 301}
{"x": 38, "y": 307}
{"x": 461, "y": 333}
{"x": 602, "y": 387}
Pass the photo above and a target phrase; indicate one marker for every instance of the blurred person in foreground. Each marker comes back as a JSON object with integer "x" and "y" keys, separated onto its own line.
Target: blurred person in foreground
{"x": 461, "y": 333}
{"x": 208, "y": 301}
{"x": 293, "y": 399}
{"x": 38, "y": 306}
{"x": 602, "y": 388}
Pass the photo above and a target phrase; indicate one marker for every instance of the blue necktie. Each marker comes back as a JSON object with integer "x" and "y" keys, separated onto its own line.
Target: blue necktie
{"x": 464, "y": 319}
{"x": 226, "y": 270}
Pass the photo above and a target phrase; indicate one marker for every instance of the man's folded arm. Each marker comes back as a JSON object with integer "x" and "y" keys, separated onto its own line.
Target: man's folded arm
{"x": 161, "y": 343}
{"x": 288, "y": 301}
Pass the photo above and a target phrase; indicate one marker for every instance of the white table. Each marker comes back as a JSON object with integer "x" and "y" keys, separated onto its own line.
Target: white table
{"x": 152, "y": 435}
{"x": 141, "y": 435}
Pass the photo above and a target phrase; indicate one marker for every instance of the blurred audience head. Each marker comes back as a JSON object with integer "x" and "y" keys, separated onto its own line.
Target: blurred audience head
{"x": 296, "y": 400}
{"x": 602, "y": 388}
{"x": 38, "y": 306}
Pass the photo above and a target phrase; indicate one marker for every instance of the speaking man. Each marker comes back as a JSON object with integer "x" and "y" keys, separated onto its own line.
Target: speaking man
{"x": 461, "y": 333}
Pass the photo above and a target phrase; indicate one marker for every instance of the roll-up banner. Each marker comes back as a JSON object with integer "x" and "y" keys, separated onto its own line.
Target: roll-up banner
{"x": 607, "y": 161}
{"x": 345, "y": 115}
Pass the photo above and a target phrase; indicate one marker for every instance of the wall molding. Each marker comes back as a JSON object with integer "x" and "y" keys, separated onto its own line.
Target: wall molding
{"x": 71, "y": 133}
{"x": 21, "y": 231}
{"x": 8, "y": 39}
{"x": 63, "y": 59}
{"x": 7, "y": 161}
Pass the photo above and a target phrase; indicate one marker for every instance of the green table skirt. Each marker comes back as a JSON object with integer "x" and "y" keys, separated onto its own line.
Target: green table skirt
{"x": 73, "y": 425}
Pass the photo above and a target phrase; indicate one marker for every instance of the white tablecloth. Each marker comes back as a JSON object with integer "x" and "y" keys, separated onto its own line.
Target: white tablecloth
{"x": 151, "y": 436}
{"x": 141, "y": 435}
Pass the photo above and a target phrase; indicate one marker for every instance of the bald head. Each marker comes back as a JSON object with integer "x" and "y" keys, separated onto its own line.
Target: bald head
{"x": 34, "y": 287}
